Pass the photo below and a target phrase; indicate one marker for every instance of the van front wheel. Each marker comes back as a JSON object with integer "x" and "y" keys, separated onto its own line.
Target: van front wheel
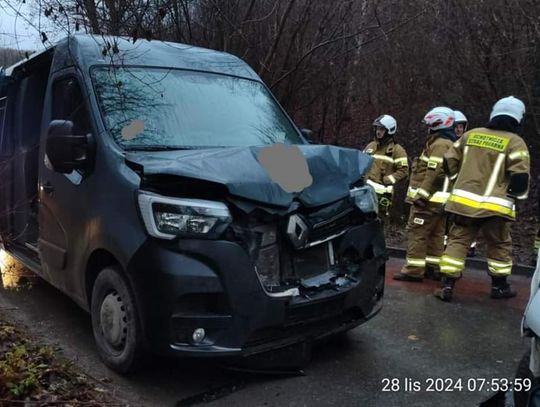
{"x": 115, "y": 322}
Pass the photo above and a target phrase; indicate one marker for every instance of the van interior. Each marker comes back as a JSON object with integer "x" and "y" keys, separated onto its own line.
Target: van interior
{"x": 20, "y": 132}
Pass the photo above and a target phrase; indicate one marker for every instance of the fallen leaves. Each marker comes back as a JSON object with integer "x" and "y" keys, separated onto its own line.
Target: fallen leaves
{"x": 32, "y": 373}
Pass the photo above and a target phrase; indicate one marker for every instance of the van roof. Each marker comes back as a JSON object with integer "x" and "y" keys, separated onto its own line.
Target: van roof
{"x": 86, "y": 50}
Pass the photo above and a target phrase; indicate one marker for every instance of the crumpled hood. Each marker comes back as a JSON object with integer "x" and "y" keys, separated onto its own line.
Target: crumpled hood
{"x": 334, "y": 170}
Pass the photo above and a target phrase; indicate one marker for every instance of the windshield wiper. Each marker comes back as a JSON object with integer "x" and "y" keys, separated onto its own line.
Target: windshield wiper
{"x": 157, "y": 147}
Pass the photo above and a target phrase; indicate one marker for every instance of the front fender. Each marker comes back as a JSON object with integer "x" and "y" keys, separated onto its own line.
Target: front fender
{"x": 530, "y": 324}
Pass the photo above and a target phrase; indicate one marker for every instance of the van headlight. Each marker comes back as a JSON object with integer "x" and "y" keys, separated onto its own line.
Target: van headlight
{"x": 365, "y": 199}
{"x": 167, "y": 217}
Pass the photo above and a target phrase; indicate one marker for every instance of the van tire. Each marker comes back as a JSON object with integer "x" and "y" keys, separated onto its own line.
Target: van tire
{"x": 115, "y": 322}
{"x": 521, "y": 398}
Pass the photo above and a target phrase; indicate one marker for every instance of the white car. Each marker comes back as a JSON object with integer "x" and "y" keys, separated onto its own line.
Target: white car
{"x": 528, "y": 371}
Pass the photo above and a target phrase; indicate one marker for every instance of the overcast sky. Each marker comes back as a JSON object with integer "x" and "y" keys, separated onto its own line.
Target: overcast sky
{"x": 16, "y": 32}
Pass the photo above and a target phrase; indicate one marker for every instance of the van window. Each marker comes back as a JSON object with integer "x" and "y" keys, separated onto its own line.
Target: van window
{"x": 168, "y": 108}
{"x": 68, "y": 104}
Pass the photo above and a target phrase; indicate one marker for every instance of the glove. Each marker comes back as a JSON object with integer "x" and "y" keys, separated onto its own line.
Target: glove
{"x": 420, "y": 201}
{"x": 519, "y": 183}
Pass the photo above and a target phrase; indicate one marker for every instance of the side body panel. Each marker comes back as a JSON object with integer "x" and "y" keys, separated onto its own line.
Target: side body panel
{"x": 80, "y": 213}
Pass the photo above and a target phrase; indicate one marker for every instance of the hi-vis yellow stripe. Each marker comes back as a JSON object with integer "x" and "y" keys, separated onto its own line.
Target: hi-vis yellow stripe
{"x": 450, "y": 269}
{"x": 519, "y": 154}
{"x": 483, "y": 205}
{"x": 454, "y": 261}
{"x": 403, "y": 161}
{"x": 499, "y": 264}
{"x": 433, "y": 259}
{"x": 499, "y": 268}
{"x": 380, "y": 188}
{"x": 437, "y": 197}
{"x": 382, "y": 157}
{"x": 415, "y": 262}
{"x": 451, "y": 266}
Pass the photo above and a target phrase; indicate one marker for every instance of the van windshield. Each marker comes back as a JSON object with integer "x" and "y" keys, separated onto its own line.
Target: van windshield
{"x": 164, "y": 108}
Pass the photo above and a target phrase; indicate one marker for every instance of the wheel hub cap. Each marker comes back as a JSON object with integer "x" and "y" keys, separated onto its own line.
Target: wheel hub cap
{"x": 113, "y": 319}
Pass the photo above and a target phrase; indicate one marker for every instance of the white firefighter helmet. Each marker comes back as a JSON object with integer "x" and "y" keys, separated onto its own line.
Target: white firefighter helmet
{"x": 439, "y": 118}
{"x": 460, "y": 117}
{"x": 509, "y": 106}
{"x": 388, "y": 122}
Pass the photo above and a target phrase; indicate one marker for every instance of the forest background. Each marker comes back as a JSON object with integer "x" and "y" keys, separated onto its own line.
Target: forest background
{"x": 337, "y": 65}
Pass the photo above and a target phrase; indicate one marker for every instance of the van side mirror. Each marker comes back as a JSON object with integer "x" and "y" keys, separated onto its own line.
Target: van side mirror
{"x": 308, "y": 135}
{"x": 66, "y": 152}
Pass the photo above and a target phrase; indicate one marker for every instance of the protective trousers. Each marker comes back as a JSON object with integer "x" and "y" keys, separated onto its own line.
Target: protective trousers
{"x": 425, "y": 237}
{"x": 496, "y": 232}
{"x": 383, "y": 215}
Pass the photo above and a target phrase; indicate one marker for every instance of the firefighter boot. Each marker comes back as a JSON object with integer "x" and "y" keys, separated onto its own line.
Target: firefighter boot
{"x": 432, "y": 273}
{"x": 501, "y": 289}
{"x": 446, "y": 291}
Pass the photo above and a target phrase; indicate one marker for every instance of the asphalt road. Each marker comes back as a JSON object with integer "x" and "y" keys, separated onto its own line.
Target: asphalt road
{"x": 414, "y": 338}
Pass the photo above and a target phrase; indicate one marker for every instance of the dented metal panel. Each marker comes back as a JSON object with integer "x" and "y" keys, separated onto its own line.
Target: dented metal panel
{"x": 334, "y": 170}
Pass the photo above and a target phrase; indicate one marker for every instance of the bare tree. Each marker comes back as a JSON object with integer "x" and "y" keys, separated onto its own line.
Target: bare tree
{"x": 335, "y": 66}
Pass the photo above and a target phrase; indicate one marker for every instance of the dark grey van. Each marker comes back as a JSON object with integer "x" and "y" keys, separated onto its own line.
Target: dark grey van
{"x": 132, "y": 181}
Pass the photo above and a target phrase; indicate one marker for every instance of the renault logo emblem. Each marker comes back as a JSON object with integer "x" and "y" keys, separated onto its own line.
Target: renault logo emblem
{"x": 298, "y": 231}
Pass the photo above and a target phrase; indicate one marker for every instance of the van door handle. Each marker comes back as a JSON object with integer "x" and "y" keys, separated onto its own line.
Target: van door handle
{"x": 47, "y": 188}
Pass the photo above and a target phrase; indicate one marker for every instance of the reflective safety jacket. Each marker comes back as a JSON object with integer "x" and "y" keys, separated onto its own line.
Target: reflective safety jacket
{"x": 482, "y": 162}
{"x": 428, "y": 179}
{"x": 390, "y": 165}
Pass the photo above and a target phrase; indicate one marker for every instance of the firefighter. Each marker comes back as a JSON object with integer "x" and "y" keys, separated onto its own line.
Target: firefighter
{"x": 390, "y": 164}
{"x": 460, "y": 126}
{"x": 491, "y": 170}
{"x": 460, "y": 123}
{"x": 428, "y": 191}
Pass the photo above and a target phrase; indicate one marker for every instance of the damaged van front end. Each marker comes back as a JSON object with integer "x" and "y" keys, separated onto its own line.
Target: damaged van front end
{"x": 234, "y": 265}
{"x": 165, "y": 190}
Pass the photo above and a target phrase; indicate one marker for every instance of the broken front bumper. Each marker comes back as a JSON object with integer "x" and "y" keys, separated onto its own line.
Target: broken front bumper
{"x": 212, "y": 285}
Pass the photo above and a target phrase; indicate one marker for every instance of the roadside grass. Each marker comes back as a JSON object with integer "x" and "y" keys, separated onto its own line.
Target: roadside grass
{"x": 32, "y": 374}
